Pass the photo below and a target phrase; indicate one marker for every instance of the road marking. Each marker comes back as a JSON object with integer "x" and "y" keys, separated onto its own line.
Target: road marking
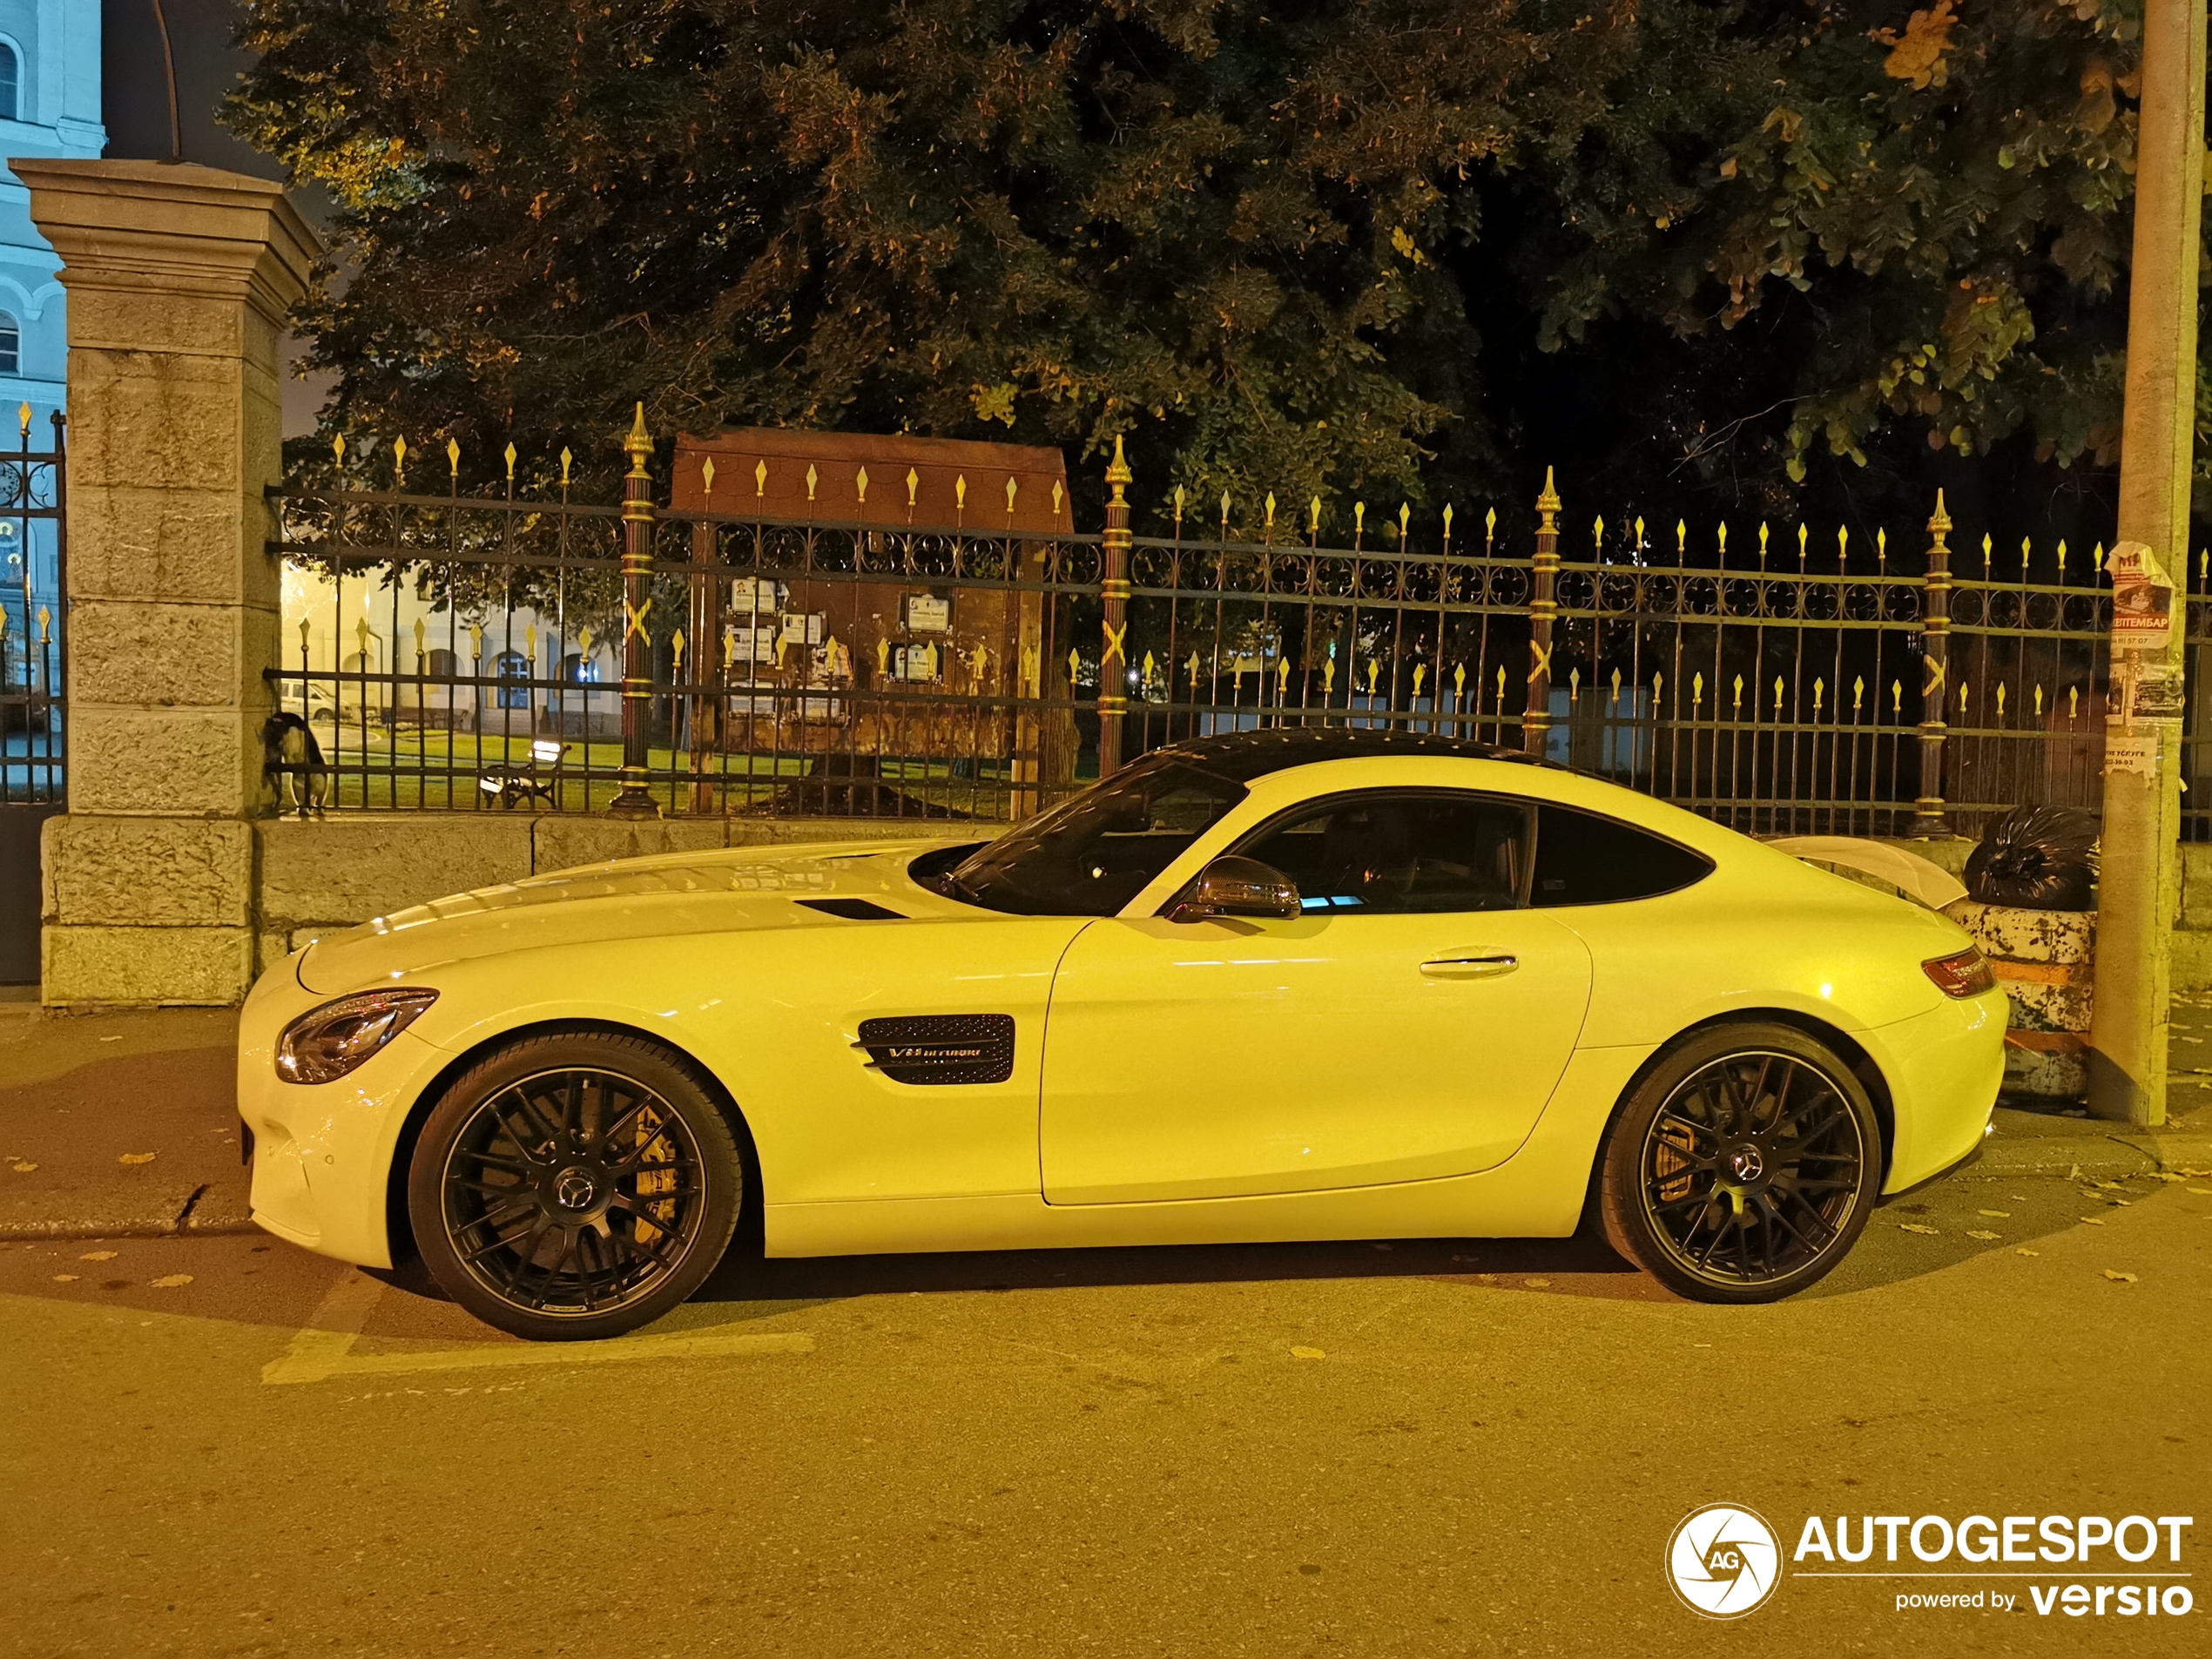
{"x": 325, "y": 1349}
{"x": 697, "y": 1345}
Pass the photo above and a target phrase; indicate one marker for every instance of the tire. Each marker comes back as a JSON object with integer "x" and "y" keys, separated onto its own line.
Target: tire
{"x": 574, "y": 1185}
{"x": 1742, "y": 1167}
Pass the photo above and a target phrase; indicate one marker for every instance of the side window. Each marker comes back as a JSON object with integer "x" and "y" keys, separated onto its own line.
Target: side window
{"x": 1382, "y": 852}
{"x": 1583, "y": 859}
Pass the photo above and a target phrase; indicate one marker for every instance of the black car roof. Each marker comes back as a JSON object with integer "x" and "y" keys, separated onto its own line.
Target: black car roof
{"x": 1243, "y": 756}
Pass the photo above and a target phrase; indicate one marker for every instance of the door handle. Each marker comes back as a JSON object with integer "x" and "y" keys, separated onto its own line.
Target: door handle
{"x": 1471, "y": 964}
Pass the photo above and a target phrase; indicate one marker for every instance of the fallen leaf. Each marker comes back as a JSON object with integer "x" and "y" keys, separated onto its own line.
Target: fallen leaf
{"x": 2002, "y": 1215}
{"x": 1977, "y": 1233}
{"x": 136, "y": 1158}
{"x": 97, "y": 1255}
{"x": 1307, "y": 1353}
{"x": 2073, "y": 1174}
{"x": 1537, "y": 1284}
{"x": 2164, "y": 1174}
{"x": 24, "y": 1168}
{"x": 2024, "y": 1251}
{"x": 2124, "y": 1203}
{"x": 170, "y": 1281}
{"x": 65, "y": 1278}
{"x": 2119, "y": 1278}
{"x": 1915, "y": 1227}
{"x": 2201, "y": 1191}
{"x": 2091, "y": 1221}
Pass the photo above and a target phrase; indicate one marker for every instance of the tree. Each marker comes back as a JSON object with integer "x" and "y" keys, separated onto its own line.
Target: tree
{"x": 1322, "y": 248}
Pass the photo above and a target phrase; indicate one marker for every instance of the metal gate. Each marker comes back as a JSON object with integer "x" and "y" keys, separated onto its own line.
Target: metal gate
{"x": 33, "y": 675}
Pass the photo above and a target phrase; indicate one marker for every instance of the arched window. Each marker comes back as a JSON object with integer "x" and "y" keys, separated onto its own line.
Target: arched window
{"x": 513, "y": 665}
{"x": 10, "y": 78}
{"x": 10, "y": 337}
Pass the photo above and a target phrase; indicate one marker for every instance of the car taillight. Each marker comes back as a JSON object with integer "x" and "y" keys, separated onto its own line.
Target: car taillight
{"x": 1964, "y": 974}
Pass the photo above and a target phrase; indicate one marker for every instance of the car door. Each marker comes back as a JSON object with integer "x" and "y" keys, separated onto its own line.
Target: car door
{"x": 1411, "y": 1023}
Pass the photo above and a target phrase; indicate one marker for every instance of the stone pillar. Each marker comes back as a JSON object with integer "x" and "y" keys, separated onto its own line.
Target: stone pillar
{"x": 179, "y": 279}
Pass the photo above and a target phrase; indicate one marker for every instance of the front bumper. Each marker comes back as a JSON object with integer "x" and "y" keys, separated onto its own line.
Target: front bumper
{"x": 322, "y": 1153}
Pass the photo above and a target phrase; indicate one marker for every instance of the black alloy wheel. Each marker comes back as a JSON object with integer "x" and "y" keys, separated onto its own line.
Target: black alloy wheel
{"x": 575, "y": 1186}
{"x": 1744, "y": 1166}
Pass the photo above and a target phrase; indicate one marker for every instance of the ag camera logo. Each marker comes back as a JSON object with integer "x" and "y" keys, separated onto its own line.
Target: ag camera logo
{"x": 1724, "y": 1560}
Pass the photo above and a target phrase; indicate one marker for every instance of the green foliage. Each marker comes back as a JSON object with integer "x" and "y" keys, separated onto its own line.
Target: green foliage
{"x": 1274, "y": 244}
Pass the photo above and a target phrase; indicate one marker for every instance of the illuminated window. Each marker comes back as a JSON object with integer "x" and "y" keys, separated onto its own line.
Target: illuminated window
{"x": 10, "y": 337}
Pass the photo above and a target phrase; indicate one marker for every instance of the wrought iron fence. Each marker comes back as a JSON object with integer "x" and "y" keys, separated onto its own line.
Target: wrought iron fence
{"x": 514, "y": 653}
{"x": 33, "y": 706}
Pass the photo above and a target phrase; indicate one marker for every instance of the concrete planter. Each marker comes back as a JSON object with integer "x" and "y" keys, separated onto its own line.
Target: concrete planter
{"x": 2043, "y": 959}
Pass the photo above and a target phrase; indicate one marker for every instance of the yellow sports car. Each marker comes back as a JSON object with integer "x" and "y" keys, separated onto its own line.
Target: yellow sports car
{"x": 1292, "y": 984}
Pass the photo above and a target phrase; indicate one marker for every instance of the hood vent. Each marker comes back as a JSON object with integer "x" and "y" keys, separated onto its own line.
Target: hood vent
{"x": 941, "y": 1047}
{"x": 852, "y": 909}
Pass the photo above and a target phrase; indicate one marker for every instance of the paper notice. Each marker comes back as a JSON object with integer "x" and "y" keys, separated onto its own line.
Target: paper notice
{"x": 2143, "y": 599}
{"x": 2135, "y": 752}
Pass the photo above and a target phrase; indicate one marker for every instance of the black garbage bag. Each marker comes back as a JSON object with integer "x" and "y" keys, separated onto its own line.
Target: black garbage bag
{"x": 2036, "y": 858}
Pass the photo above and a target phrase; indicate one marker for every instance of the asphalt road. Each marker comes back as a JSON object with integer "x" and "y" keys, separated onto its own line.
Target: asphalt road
{"x": 222, "y": 1446}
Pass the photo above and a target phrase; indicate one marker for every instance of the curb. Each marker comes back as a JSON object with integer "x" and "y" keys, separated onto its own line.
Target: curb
{"x": 2118, "y": 1153}
{"x": 142, "y": 1227}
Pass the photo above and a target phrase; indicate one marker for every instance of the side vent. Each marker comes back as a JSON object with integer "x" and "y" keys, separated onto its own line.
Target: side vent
{"x": 852, "y": 909}
{"x": 941, "y": 1047}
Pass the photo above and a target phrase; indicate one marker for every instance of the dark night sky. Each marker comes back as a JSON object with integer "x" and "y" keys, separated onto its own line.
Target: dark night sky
{"x": 136, "y": 97}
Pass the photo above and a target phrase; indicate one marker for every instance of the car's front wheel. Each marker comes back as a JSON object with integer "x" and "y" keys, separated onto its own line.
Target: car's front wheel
{"x": 1744, "y": 1165}
{"x": 574, "y": 1185}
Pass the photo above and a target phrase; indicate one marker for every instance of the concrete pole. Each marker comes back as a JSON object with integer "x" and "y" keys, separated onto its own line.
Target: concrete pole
{"x": 2140, "y": 888}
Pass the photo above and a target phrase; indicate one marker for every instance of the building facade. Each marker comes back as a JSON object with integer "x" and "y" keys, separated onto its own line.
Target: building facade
{"x": 50, "y": 105}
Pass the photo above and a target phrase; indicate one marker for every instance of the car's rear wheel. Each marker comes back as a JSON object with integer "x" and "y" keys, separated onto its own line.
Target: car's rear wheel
{"x": 1744, "y": 1166}
{"x": 574, "y": 1185}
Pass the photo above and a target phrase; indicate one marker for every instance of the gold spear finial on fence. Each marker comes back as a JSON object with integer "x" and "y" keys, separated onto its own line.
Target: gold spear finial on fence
{"x": 1548, "y": 507}
{"x": 1268, "y": 507}
{"x": 453, "y": 456}
{"x": 1939, "y": 526}
{"x": 813, "y": 479}
{"x": 23, "y": 419}
{"x": 566, "y": 457}
{"x": 638, "y": 445}
{"x": 860, "y": 484}
{"x": 399, "y": 460}
{"x": 1011, "y": 487}
{"x": 510, "y": 463}
{"x": 338, "y": 448}
{"x": 1313, "y": 516}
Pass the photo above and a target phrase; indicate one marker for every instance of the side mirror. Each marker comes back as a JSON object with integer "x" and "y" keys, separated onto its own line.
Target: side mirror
{"x": 1234, "y": 887}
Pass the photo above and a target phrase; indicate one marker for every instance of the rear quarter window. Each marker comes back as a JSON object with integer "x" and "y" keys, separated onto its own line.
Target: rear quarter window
{"x": 1582, "y": 858}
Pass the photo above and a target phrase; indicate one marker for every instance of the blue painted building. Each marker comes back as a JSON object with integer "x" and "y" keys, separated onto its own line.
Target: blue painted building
{"x": 50, "y": 105}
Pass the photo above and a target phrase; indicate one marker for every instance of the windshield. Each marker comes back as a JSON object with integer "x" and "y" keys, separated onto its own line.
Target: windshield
{"x": 1093, "y": 853}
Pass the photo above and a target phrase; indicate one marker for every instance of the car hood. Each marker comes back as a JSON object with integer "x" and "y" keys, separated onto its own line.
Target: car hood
{"x": 741, "y": 890}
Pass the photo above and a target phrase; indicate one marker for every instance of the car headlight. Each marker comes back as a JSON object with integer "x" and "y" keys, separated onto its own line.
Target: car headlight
{"x": 323, "y": 1046}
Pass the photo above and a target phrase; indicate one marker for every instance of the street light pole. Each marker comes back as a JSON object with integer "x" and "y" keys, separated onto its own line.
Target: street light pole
{"x": 2139, "y": 886}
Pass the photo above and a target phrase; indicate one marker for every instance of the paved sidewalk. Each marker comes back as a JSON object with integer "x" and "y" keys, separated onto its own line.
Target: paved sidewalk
{"x": 120, "y": 1125}
{"x": 124, "y": 1125}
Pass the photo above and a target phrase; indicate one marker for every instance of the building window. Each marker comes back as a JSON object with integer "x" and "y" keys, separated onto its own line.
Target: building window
{"x": 10, "y": 338}
{"x": 9, "y": 77}
{"x": 513, "y": 665}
